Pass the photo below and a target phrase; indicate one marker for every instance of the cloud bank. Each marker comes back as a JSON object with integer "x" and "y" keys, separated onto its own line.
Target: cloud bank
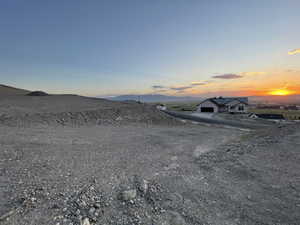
{"x": 227, "y": 76}
{"x": 158, "y": 87}
{"x": 180, "y": 88}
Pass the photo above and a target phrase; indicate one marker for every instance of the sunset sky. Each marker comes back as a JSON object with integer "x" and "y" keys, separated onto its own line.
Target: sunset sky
{"x": 173, "y": 47}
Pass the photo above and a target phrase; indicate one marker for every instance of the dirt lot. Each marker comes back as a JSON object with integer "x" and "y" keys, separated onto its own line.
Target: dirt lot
{"x": 144, "y": 169}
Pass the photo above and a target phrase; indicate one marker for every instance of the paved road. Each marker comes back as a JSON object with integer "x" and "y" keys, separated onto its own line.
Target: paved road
{"x": 217, "y": 121}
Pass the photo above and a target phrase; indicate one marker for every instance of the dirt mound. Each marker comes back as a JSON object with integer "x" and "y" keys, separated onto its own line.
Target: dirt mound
{"x": 37, "y": 93}
{"x": 70, "y": 110}
{"x": 8, "y": 91}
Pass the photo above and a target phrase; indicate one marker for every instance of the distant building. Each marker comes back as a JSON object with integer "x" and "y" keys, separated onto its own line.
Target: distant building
{"x": 291, "y": 107}
{"x": 161, "y": 107}
{"x": 266, "y": 116}
{"x": 270, "y": 116}
{"x": 270, "y": 107}
{"x": 253, "y": 116}
{"x": 221, "y": 104}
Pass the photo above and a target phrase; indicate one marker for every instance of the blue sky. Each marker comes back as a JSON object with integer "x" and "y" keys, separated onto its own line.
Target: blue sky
{"x": 111, "y": 47}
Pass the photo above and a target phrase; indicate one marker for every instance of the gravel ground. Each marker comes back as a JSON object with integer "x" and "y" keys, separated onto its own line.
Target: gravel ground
{"x": 145, "y": 172}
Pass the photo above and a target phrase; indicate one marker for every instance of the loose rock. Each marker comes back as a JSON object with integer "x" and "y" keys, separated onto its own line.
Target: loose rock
{"x": 85, "y": 221}
{"x": 143, "y": 186}
{"x": 129, "y": 195}
{"x": 92, "y": 211}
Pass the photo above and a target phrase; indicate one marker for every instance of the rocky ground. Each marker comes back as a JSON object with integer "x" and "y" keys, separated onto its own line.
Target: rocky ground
{"x": 152, "y": 171}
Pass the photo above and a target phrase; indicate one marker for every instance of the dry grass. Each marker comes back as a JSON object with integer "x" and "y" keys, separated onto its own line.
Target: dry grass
{"x": 182, "y": 106}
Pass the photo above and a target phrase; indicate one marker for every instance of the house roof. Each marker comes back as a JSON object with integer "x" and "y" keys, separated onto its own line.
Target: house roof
{"x": 221, "y": 101}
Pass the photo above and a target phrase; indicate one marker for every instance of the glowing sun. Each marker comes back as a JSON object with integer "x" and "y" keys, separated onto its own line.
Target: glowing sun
{"x": 280, "y": 92}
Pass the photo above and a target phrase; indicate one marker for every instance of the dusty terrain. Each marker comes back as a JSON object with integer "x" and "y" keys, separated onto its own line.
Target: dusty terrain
{"x": 72, "y": 160}
{"x": 73, "y": 110}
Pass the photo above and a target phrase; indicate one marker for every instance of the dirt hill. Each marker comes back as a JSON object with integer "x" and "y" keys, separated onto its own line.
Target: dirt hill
{"x": 73, "y": 110}
{"x": 7, "y": 91}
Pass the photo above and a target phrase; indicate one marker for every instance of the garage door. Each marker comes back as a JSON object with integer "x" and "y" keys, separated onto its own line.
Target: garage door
{"x": 207, "y": 109}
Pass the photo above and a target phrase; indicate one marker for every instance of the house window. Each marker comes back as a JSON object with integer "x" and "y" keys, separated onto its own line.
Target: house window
{"x": 241, "y": 108}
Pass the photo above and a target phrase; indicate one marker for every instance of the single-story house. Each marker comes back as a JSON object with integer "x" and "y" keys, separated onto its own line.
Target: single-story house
{"x": 222, "y": 104}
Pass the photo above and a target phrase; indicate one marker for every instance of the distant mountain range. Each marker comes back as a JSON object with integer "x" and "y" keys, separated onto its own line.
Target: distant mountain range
{"x": 153, "y": 98}
{"x": 271, "y": 99}
{"x": 7, "y": 90}
{"x": 291, "y": 99}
